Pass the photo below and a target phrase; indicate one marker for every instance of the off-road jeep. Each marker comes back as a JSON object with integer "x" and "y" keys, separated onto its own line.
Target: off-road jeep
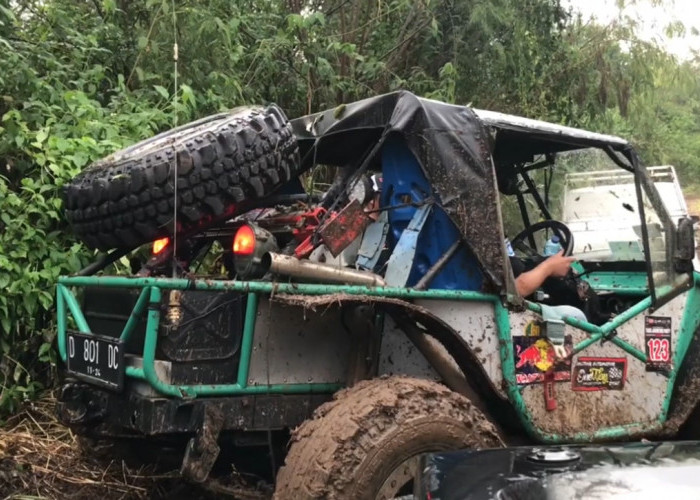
{"x": 377, "y": 318}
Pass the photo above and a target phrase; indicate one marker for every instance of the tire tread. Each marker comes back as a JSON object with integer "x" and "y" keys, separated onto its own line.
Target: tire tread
{"x": 330, "y": 452}
{"x": 125, "y": 200}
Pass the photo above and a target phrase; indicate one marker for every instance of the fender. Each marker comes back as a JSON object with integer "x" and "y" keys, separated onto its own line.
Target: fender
{"x": 417, "y": 320}
{"x": 685, "y": 407}
{"x": 685, "y": 399}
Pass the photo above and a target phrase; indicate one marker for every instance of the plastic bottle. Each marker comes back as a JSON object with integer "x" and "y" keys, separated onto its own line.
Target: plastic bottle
{"x": 552, "y": 246}
{"x": 509, "y": 248}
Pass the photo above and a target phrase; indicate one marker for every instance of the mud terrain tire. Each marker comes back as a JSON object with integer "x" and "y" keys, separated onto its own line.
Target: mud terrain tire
{"x": 351, "y": 445}
{"x": 221, "y": 161}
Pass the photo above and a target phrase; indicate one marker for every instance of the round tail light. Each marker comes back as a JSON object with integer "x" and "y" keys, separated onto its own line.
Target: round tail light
{"x": 244, "y": 241}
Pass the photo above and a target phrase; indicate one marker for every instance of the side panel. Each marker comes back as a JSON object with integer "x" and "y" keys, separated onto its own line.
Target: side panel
{"x": 293, "y": 347}
{"x": 474, "y": 322}
{"x": 585, "y": 405}
{"x": 398, "y": 355}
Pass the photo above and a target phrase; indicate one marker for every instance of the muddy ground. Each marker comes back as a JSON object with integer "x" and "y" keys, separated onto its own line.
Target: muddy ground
{"x": 41, "y": 459}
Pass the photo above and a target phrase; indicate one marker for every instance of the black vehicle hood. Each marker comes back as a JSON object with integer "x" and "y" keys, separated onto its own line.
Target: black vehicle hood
{"x": 601, "y": 472}
{"x": 450, "y": 143}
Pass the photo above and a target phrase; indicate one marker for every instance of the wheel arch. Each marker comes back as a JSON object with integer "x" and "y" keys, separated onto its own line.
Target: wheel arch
{"x": 481, "y": 390}
{"x": 350, "y": 446}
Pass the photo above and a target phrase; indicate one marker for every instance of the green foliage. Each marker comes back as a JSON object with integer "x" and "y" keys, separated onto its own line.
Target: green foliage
{"x": 54, "y": 120}
{"x": 79, "y": 80}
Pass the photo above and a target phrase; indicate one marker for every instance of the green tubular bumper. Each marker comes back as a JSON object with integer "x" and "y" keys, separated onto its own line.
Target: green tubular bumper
{"x": 149, "y": 302}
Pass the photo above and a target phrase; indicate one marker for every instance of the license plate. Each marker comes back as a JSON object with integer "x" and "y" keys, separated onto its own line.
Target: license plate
{"x": 96, "y": 359}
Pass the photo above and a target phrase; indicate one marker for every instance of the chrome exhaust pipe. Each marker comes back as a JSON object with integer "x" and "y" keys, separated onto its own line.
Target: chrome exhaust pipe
{"x": 307, "y": 270}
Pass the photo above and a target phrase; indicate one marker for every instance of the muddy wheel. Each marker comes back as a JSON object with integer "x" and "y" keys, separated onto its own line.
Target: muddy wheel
{"x": 365, "y": 443}
{"x": 221, "y": 161}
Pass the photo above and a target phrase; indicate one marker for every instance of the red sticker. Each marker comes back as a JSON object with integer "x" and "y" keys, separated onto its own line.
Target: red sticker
{"x": 534, "y": 356}
{"x": 657, "y": 343}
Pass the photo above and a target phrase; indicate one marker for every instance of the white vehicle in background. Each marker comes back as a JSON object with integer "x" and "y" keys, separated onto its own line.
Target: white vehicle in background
{"x": 599, "y": 208}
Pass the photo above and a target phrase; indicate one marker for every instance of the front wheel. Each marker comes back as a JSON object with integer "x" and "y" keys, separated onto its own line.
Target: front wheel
{"x": 365, "y": 444}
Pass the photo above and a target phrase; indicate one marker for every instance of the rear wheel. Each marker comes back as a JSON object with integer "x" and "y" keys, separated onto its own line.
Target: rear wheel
{"x": 365, "y": 444}
{"x": 218, "y": 163}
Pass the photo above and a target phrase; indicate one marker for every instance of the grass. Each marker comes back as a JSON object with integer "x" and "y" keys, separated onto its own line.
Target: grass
{"x": 41, "y": 459}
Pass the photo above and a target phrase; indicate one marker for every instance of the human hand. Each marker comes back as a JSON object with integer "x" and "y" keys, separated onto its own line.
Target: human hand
{"x": 558, "y": 265}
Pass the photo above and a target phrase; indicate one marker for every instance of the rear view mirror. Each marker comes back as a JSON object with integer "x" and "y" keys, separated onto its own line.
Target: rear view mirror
{"x": 685, "y": 246}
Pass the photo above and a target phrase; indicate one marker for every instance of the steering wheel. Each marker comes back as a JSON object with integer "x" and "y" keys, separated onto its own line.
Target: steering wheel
{"x": 566, "y": 238}
{"x": 573, "y": 290}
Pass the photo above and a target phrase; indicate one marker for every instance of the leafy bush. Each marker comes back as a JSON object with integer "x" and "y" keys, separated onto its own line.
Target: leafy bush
{"x": 54, "y": 122}
{"x": 79, "y": 80}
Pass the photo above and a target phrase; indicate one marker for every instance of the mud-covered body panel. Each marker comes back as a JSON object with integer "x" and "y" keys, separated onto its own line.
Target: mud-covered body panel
{"x": 593, "y": 406}
{"x": 293, "y": 345}
{"x": 474, "y": 323}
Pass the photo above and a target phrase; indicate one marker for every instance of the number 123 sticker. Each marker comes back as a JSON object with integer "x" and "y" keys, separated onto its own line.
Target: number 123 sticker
{"x": 657, "y": 342}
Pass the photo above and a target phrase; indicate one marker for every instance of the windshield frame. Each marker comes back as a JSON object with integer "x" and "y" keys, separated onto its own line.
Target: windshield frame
{"x": 627, "y": 160}
{"x": 645, "y": 186}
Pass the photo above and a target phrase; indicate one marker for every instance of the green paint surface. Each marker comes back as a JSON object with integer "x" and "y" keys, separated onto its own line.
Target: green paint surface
{"x": 689, "y": 323}
{"x": 621, "y": 283}
{"x": 153, "y": 287}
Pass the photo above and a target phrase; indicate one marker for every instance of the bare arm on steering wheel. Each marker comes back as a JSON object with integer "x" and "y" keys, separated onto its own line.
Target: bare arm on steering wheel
{"x": 555, "y": 266}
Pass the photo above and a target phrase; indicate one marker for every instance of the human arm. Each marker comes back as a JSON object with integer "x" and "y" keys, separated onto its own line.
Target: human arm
{"x": 529, "y": 281}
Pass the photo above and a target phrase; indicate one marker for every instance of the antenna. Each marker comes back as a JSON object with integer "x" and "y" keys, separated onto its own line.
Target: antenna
{"x": 175, "y": 57}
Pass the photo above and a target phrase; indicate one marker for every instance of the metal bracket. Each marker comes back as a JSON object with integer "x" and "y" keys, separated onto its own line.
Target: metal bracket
{"x": 401, "y": 261}
{"x": 554, "y": 330}
{"x": 373, "y": 243}
{"x": 203, "y": 450}
{"x": 608, "y": 336}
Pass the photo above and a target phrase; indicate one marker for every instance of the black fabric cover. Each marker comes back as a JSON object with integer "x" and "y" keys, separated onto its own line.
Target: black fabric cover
{"x": 449, "y": 142}
{"x": 456, "y": 151}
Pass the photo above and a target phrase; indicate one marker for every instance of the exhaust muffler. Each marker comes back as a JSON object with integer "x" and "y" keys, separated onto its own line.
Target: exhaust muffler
{"x": 314, "y": 271}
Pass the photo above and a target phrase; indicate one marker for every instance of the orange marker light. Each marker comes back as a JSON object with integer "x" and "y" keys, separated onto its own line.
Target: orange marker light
{"x": 244, "y": 241}
{"x": 160, "y": 245}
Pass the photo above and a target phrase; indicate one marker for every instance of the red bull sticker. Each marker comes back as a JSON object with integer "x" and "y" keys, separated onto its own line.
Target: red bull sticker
{"x": 535, "y": 355}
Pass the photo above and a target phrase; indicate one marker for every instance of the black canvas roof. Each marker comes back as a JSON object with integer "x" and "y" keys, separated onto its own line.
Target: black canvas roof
{"x": 456, "y": 147}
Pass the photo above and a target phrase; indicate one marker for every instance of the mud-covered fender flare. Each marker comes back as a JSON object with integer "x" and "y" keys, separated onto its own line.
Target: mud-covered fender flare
{"x": 489, "y": 398}
{"x": 684, "y": 411}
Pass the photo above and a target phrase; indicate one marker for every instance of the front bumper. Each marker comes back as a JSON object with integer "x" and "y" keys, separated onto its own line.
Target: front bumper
{"x": 99, "y": 412}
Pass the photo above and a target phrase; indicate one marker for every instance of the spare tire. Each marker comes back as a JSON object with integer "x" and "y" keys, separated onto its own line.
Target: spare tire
{"x": 220, "y": 162}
